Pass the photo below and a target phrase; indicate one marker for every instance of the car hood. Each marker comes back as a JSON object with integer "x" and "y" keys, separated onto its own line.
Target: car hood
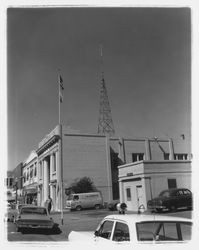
{"x": 158, "y": 199}
{"x": 81, "y": 236}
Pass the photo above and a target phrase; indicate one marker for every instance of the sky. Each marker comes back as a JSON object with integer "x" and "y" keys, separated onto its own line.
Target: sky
{"x": 146, "y": 64}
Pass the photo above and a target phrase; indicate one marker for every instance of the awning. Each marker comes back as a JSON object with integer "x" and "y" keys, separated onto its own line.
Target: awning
{"x": 31, "y": 191}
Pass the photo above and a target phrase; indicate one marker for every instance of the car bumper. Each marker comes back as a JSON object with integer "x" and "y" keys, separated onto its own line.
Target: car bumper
{"x": 151, "y": 207}
{"x": 35, "y": 226}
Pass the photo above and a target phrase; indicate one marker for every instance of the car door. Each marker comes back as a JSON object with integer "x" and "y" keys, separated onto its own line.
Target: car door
{"x": 178, "y": 202}
{"x": 187, "y": 202}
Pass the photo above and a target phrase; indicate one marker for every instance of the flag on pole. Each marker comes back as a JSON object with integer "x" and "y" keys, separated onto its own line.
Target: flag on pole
{"x": 61, "y": 82}
{"x": 61, "y": 88}
{"x": 60, "y": 97}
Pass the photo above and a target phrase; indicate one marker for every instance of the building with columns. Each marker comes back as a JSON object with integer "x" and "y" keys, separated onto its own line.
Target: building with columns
{"x": 30, "y": 180}
{"x": 49, "y": 168}
{"x": 98, "y": 157}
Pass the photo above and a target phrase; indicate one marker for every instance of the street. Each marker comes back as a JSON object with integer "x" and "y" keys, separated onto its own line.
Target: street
{"x": 86, "y": 220}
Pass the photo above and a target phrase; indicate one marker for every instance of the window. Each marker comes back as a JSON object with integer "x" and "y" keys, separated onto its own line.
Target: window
{"x": 172, "y": 183}
{"x": 54, "y": 162}
{"x": 160, "y": 231}
{"x": 128, "y": 194}
{"x": 180, "y": 156}
{"x": 121, "y": 232}
{"x": 106, "y": 229}
{"x": 186, "y": 231}
{"x": 164, "y": 194}
{"x": 137, "y": 157}
{"x": 167, "y": 231}
{"x": 35, "y": 172}
{"x": 179, "y": 193}
{"x": 31, "y": 173}
{"x": 166, "y": 156}
{"x": 76, "y": 198}
{"x": 186, "y": 192}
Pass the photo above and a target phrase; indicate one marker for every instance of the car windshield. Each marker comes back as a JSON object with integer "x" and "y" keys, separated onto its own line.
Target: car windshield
{"x": 33, "y": 210}
{"x": 164, "y": 194}
{"x": 70, "y": 197}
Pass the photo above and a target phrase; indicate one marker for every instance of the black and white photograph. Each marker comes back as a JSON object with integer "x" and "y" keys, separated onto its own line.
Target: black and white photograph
{"x": 99, "y": 125}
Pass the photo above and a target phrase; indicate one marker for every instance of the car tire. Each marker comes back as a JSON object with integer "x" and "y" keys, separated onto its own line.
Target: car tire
{"x": 97, "y": 206}
{"x": 78, "y": 208}
{"x": 159, "y": 210}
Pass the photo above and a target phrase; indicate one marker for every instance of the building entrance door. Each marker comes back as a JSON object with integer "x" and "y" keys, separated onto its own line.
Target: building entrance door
{"x": 139, "y": 193}
{"x": 128, "y": 198}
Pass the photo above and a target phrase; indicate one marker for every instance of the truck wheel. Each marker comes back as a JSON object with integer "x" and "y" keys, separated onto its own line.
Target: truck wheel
{"x": 97, "y": 206}
{"x": 78, "y": 208}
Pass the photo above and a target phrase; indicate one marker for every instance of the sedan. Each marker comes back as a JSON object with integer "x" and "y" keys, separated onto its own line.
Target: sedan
{"x": 171, "y": 199}
{"x": 133, "y": 229}
{"x": 34, "y": 217}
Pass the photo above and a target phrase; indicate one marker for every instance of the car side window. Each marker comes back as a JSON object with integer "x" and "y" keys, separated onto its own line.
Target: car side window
{"x": 179, "y": 193}
{"x": 167, "y": 232}
{"x": 76, "y": 198}
{"x": 186, "y": 229}
{"x": 106, "y": 229}
{"x": 186, "y": 192}
{"x": 121, "y": 232}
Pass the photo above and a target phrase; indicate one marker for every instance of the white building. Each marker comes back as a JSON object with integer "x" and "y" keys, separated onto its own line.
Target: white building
{"x": 143, "y": 180}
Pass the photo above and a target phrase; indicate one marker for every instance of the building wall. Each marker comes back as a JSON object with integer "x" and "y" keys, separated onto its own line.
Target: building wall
{"x": 87, "y": 156}
{"x": 145, "y": 180}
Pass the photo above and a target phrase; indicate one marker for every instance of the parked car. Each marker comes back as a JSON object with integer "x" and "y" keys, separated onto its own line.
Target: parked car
{"x": 113, "y": 206}
{"x": 11, "y": 212}
{"x": 132, "y": 229}
{"x": 171, "y": 199}
{"x": 84, "y": 200}
{"x": 34, "y": 217}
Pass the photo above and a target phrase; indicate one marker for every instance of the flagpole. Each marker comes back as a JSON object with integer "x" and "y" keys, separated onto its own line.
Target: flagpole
{"x": 61, "y": 152}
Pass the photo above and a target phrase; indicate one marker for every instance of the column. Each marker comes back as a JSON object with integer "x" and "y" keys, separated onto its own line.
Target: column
{"x": 58, "y": 179}
{"x": 46, "y": 180}
{"x": 171, "y": 149}
{"x": 121, "y": 191}
{"x": 147, "y": 150}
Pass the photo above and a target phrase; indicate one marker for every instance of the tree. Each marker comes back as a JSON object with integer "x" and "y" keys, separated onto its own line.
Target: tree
{"x": 82, "y": 185}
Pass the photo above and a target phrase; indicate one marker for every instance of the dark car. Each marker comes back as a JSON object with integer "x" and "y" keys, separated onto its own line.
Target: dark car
{"x": 171, "y": 199}
{"x": 33, "y": 217}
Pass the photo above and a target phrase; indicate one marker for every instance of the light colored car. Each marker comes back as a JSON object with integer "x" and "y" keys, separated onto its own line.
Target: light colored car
{"x": 84, "y": 200}
{"x": 34, "y": 217}
{"x": 131, "y": 229}
{"x": 11, "y": 212}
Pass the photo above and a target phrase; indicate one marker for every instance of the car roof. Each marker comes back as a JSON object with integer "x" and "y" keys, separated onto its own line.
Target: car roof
{"x": 174, "y": 189}
{"x": 144, "y": 217}
{"x": 32, "y": 206}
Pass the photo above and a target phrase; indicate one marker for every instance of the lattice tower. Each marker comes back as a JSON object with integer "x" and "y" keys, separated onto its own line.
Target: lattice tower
{"x": 105, "y": 124}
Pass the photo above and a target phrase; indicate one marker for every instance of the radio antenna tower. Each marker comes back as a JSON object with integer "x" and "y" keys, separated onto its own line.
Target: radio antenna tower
{"x": 105, "y": 123}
